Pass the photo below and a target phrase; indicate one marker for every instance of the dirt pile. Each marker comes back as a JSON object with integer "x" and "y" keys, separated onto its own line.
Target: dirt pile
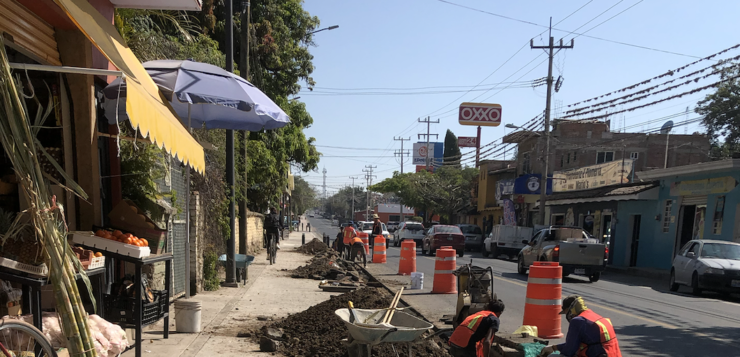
{"x": 318, "y": 331}
{"x": 329, "y": 266}
{"x": 313, "y": 247}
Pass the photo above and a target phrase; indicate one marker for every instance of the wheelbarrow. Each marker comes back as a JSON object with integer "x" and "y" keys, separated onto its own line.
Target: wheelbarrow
{"x": 242, "y": 262}
{"x": 367, "y": 331}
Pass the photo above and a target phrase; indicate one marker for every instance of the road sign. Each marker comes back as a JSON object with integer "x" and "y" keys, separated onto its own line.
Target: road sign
{"x": 467, "y": 141}
{"x": 480, "y": 114}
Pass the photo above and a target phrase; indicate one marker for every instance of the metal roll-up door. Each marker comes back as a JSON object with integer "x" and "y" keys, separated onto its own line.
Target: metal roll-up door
{"x": 694, "y": 200}
{"x": 29, "y": 32}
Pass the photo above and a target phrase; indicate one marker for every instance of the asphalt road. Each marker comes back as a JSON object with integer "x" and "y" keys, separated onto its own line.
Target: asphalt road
{"x": 649, "y": 319}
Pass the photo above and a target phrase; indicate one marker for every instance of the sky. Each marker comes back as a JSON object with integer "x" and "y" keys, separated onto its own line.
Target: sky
{"x": 422, "y": 58}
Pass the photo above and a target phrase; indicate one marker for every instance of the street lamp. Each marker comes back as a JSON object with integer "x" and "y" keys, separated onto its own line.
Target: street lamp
{"x": 512, "y": 126}
{"x": 324, "y": 29}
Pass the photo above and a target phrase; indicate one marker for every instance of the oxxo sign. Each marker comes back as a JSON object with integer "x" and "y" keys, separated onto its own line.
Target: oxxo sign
{"x": 480, "y": 114}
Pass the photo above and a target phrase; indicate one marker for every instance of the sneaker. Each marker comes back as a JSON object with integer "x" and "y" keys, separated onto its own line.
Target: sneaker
{"x": 277, "y": 245}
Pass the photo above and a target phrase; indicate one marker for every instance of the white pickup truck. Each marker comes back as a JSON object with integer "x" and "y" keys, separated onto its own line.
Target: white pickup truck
{"x": 577, "y": 252}
{"x": 506, "y": 240}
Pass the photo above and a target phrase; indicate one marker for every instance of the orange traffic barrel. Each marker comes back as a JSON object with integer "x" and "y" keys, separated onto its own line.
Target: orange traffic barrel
{"x": 445, "y": 281}
{"x": 407, "y": 263}
{"x": 365, "y": 241}
{"x": 379, "y": 250}
{"x": 543, "y": 304}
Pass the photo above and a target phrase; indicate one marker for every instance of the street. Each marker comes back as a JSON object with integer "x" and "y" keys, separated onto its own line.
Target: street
{"x": 649, "y": 320}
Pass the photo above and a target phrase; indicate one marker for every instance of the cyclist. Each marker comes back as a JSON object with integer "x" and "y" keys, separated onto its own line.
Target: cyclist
{"x": 273, "y": 226}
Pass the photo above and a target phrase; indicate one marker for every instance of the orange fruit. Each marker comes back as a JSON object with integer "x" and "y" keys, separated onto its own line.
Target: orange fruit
{"x": 100, "y": 233}
{"x": 117, "y": 233}
{"x": 146, "y": 242}
{"x": 98, "y": 254}
{"x": 127, "y": 235}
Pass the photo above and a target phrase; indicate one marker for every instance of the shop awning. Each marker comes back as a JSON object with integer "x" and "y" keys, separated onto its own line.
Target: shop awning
{"x": 147, "y": 110}
{"x": 628, "y": 192}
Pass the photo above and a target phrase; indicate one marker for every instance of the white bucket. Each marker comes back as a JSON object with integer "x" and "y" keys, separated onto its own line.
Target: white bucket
{"x": 417, "y": 281}
{"x": 187, "y": 315}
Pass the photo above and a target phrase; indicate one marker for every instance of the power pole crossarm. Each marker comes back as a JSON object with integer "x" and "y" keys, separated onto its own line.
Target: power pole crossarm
{"x": 551, "y": 47}
{"x": 427, "y": 135}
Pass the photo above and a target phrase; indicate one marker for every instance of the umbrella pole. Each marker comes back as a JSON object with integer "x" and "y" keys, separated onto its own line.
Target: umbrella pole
{"x": 187, "y": 218}
{"x": 231, "y": 244}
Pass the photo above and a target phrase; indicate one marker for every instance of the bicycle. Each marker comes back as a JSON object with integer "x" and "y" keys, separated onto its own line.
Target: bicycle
{"x": 271, "y": 247}
{"x": 19, "y": 338}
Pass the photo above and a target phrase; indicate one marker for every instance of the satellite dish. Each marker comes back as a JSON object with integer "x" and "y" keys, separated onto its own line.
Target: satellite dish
{"x": 667, "y": 127}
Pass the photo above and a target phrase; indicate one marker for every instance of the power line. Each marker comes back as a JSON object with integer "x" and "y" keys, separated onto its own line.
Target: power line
{"x": 348, "y": 148}
{"x": 416, "y": 88}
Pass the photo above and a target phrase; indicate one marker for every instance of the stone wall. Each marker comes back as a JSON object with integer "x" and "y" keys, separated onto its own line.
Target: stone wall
{"x": 254, "y": 228}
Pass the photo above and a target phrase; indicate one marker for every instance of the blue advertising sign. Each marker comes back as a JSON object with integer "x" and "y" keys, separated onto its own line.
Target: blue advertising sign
{"x": 530, "y": 185}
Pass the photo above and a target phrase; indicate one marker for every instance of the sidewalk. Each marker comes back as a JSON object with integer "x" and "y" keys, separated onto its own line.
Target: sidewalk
{"x": 269, "y": 292}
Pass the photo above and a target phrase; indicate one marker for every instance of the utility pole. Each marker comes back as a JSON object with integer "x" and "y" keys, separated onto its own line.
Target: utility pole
{"x": 369, "y": 177}
{"x": 353, "y": 197}
{"x": 427, "y": 135}
{"x": 231, "y": 194}
{"x": 324, "y": 183}
{"x": 551, "y": 54}
{"x": 401, "y": 153}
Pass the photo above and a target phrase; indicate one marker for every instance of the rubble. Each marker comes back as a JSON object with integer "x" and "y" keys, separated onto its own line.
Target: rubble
{"x": 329, "y": 266}
{"x": 318, "y": 331}
{"x": 313, "y": 247}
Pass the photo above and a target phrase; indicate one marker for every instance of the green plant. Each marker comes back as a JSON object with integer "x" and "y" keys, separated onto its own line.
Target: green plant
{"x": 416, "y": 219}
{"x": 211, "y": 282}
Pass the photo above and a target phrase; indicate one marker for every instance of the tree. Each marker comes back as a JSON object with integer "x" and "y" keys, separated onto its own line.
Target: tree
{"x": 452, "y": 151}
{"x": 303, "y": 197}
{"x": 721, "y": 111}
{"x": 341, "y": 202}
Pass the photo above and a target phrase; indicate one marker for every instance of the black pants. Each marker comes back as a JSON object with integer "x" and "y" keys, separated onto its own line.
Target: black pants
{"x": 358, "y": 248}
{"x": 269, "y": 232}
{"x": 461, "y": 352}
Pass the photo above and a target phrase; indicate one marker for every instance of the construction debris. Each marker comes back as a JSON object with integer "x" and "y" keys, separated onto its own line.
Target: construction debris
{"x": 329, "y": 266}
{"x": 313, "y": 247}
{"x": 318, "y": 331}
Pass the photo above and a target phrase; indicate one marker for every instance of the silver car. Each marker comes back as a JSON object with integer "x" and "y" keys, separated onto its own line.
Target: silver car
{"x": 473, "y": 237}
{"x": 409, "y": 230}
{"x": 707, "y": 265}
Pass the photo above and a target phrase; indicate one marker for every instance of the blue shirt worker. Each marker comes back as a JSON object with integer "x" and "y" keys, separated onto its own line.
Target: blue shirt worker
{"x": 589, "y": 335}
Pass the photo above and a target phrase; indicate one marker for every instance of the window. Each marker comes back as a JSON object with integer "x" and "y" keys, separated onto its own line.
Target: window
{"x": 536, "y": 237}
{"x": 604, "y": 156}
{"x": 667, "y": 216}
{"x": 561, "y": 160}
{"x": 574, "y": 156}
{"x": 634, "y": 155}
{"x": 695, "y": 249}
{"x": 568, "y": 160}
{"x": 719, "y": 211}
{"x": 684, "y": 249}
{"x": 525, "y": 164}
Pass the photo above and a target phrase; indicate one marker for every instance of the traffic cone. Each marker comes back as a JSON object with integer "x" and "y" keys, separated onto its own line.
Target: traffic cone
{"x": 543, "y": 304}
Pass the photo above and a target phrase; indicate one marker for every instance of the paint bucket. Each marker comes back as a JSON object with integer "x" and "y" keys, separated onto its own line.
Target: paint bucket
{"x": 187, "y": 315}
{"x": 417, "y": 281}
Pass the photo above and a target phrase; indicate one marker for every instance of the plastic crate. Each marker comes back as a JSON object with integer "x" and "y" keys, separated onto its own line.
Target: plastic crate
{"x": 121, "y": 309}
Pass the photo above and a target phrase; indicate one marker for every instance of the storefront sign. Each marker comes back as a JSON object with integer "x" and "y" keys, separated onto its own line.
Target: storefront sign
{"x": 509, "y": 213}
{"x": 504, "y": 188}
{"x": 467, "y": 141}
{"x": 530, "y": 185}
{"x": 594, "y": 176}
{"x": 480, "y": 114}
{"x": 703, "y": 187}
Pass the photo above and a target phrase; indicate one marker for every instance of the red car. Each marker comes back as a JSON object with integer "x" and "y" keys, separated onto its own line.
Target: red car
{"x": 439, "y": 236}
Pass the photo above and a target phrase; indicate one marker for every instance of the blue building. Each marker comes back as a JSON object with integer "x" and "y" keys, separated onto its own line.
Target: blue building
{"x": 699, "y": 201}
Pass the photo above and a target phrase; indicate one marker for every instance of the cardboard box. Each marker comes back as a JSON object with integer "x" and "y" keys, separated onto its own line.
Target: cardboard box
{"x": 127, "y": 217}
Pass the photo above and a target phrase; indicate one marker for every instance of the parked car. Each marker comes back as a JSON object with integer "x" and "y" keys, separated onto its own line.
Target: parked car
{"x": 310, "y": 215}
{"x": 443, "y": 235}
{"x": 473, "y": 237}
{"x": 505, "y": 240}
{"x": 349, "y": 224}
{"x": 409, "y": 230}
{"x": 707, "y": 265}
{"x": 392, "y": 226}
{"x": 576, "y": 251}
{"x": 367, "y": 227}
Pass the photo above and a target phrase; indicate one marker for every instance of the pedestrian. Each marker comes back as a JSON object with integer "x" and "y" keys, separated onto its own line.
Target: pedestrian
{"x": 308, "y": 226}
{"x": 474, "y": 336}
{"x": 357, "y": 248}
{"x": 377, "y": 231}
{"x": 589, "y": 335}
{"x": 349, "y": 234}
{"x": 338, "y": 244}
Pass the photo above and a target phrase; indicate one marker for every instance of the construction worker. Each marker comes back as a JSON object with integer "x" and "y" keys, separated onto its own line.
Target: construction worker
{"x": 338, "y": 244}
{"x": 589, "y": 335}
{"x": 377, "y": 231}
{"x": 474, "y": 336}
{"x": 349, "y": 233}
{"x": 358, "y": 247}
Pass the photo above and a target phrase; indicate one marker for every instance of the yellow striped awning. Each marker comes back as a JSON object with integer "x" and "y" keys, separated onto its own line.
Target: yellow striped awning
{"x": 147, "y": 110}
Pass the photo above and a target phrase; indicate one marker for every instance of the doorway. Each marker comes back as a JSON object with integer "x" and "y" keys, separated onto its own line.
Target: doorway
{"x": 635, "y": 243}
{"x": 687, "y": 226}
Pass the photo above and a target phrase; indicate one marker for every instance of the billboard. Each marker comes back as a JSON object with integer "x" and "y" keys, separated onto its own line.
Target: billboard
{"x": 479, "y": 114}
{"x": 530, "y": 185}
{"x": 467, "y": 142}
{"x": 435, "y": 152}
{"x": 594, "y": 176}
{"x": 504, "y": 188}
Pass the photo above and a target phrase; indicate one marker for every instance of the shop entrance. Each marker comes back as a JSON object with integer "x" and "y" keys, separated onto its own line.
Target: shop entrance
{"x": 692, "y": 219}
{"x": 635, "y": 242}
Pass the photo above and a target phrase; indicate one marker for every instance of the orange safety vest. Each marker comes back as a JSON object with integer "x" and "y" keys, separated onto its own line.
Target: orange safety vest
{"x": 357, "y": 240}
{"x": 606, "y": 332}
{"x": 349, "y": 233}
{"x": 462, "y": 334}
